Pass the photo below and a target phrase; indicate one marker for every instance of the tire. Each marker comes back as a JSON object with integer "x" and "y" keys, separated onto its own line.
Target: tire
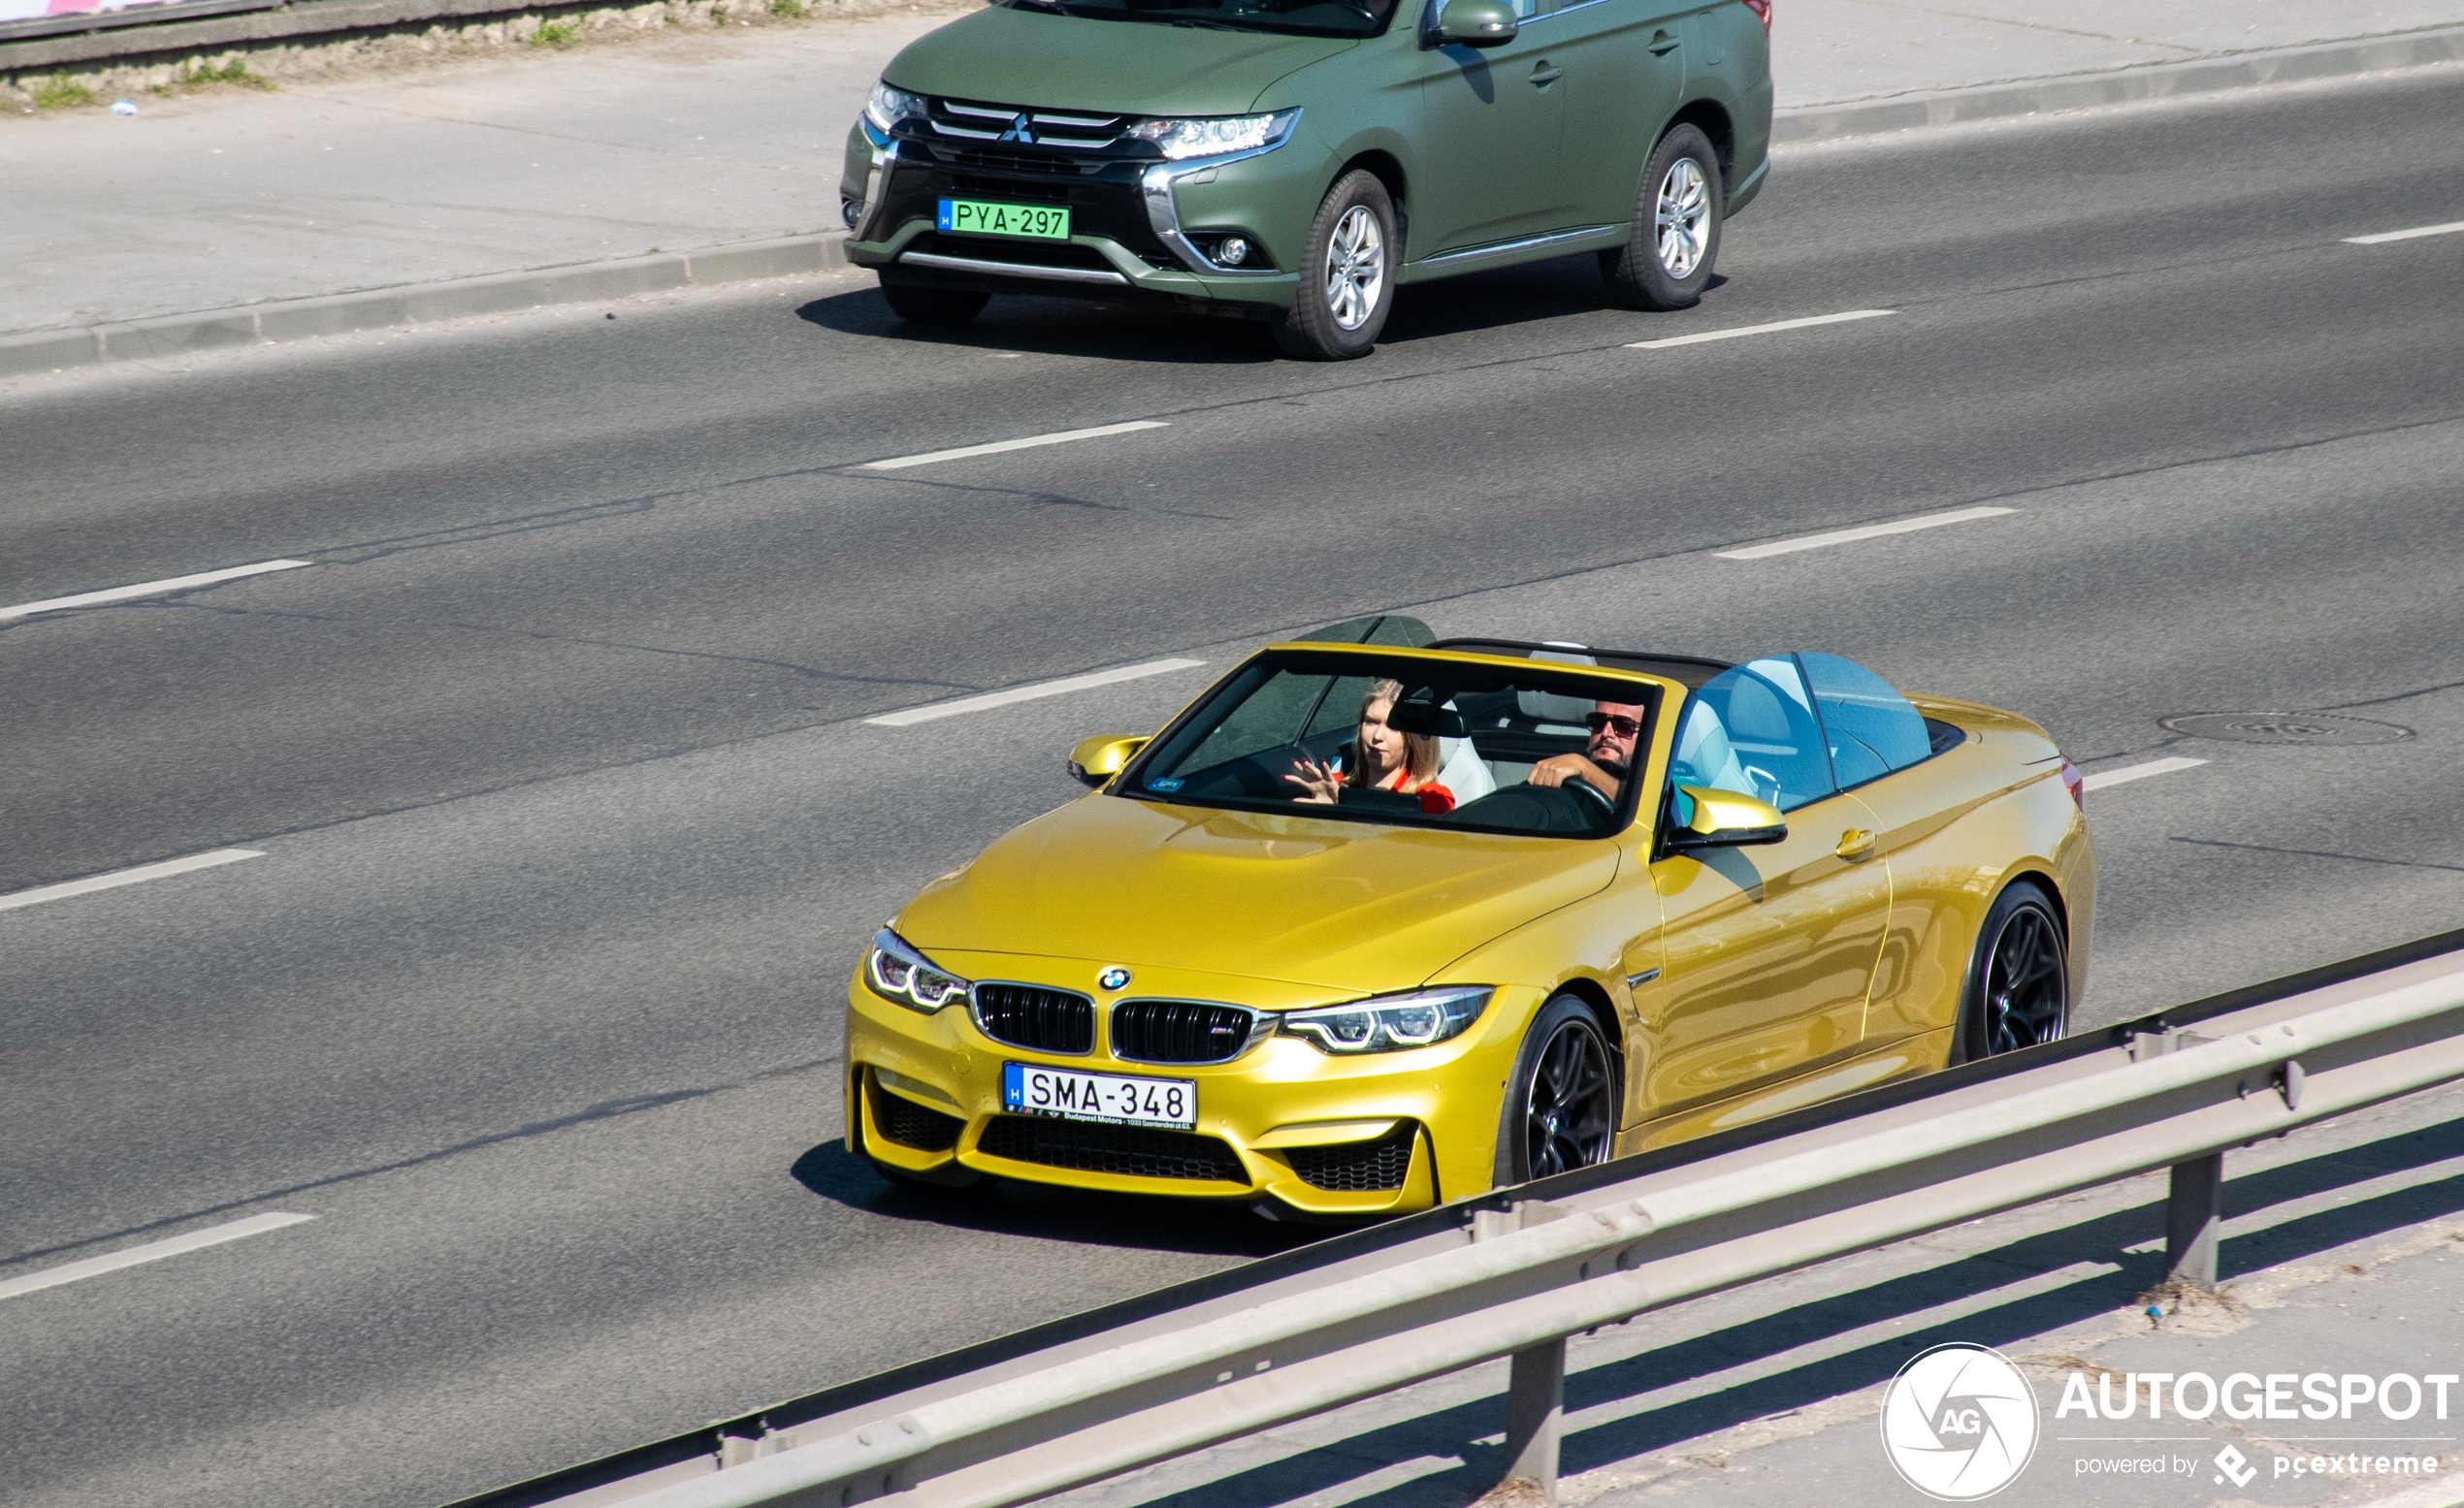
{"x": 2018, "y": 991}
{"x": 1348, "y": 276}
{"x": 922, "y": 305}
{"x": 1675, "y": 238}
{"x": 1563, "y": 1099}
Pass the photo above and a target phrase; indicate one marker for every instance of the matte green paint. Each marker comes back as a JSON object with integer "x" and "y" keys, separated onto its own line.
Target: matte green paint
{"x": 1547, "y": 134}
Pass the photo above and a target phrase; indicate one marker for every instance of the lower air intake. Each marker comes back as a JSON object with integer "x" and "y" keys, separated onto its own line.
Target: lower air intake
{"x": 1355, "y": 1166}
{"x": 1130, "y": 1151}
{"x": 911, "y": 1125}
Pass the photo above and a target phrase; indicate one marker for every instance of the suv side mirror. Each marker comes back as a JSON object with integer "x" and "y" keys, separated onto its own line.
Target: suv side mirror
{"x": 1096, "y": 760}
{"x": 1477, "y": 23}
{"x": 1726, "y": 819}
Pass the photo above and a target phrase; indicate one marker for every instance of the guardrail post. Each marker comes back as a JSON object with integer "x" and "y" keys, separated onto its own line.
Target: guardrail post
{"x": 2193, "y": 1210}
{"x": 1534, "y": 1405}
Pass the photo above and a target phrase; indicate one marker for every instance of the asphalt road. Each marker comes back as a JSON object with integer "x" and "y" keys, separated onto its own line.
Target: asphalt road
{"x": 572, "y": 825}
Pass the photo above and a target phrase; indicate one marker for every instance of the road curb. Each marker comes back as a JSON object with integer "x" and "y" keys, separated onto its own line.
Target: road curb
{"x": 382, "y": 308}
{"x": 2121, "y": 86}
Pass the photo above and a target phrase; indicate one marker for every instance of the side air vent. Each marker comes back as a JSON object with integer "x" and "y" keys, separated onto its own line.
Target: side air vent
{"x": 1356, "y": 1167}
{"x": 919, "y": 1126}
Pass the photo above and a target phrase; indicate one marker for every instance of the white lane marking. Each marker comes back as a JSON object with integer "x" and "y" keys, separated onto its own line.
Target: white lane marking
{"x": 120, "y": 877}
{"x": 1841, "y": 536}
{"x": 1025, "y": 693}
{"x": 2383, "y": 237}
{"x": 1063, "y": 437}
{"x": 1758, "y": 330}
{"x": 149, "y": 588}
{"x": 151, "y": 1251}
{"x": 2130, "y": 772}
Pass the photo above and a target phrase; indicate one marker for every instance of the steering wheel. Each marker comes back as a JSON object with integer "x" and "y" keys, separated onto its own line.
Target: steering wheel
{"x": 1600, "y": 797}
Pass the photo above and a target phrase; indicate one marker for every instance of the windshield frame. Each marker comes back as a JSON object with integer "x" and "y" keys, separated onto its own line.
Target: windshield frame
{"x": 1198, "y": 20}
{"x": 1351, "y": 661}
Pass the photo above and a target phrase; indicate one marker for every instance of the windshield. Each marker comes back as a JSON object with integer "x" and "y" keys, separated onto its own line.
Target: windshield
{"x": 1409, "y": 743}
{"x": 1306, "y": 18}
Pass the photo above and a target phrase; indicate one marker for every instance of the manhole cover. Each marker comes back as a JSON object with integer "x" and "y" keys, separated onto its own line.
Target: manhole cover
{"x": 2286, "y": 727}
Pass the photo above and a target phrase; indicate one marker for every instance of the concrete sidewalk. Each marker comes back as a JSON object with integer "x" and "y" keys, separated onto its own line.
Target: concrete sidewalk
{"x": 695, "y": 139}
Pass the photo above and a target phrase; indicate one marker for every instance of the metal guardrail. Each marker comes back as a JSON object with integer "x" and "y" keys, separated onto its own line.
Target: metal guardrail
{"x": 1516, "y": 1272}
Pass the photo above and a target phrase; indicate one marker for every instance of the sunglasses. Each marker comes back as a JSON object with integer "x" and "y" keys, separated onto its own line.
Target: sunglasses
{"x": 1627, "y": 727}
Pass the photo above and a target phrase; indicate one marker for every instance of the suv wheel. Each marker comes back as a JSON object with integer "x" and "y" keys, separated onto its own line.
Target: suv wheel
{"x": 920, "y": 305}
{"x": 1666, "y": 262}
{"x": 1347, "y": 280}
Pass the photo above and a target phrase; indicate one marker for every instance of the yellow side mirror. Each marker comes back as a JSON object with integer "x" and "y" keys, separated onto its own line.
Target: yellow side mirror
{"x": 1096, "y": 760}
{"x": 1727, "y": 820}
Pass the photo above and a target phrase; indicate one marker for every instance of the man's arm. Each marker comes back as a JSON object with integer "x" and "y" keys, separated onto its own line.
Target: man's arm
{"x": 1558, "y": 769}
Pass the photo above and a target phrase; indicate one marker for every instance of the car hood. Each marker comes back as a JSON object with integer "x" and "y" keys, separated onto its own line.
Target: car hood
{"x": 1004, "y": 56}
{"x": 1344, "y": 906}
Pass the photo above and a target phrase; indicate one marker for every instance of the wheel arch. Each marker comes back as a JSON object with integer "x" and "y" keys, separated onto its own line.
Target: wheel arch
{"x": 1594, "y": 998}
{"x": 1712, "y": 120}
{"x": 1387, "y": 169}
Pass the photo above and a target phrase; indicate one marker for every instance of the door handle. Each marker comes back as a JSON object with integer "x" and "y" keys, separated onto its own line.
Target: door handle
{"x": 1661, "y": 43}
{"x": 1543, "y": 75}
{"x": 1855, "y": 844}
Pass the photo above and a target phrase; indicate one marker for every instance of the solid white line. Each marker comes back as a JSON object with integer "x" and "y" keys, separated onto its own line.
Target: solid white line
{"x": 1758, "y": 330}
{"x": 2383, "y": 237}
{"x": 1063, "y": 437}
{"x": 120, "y": 877}
{"x": 149, "y": 588}
{"x": 2130, "y": 772}
{"x": 151, "y": 1251}
{"x": 1841, "y": 536}
{"x": 1025, "y": 693}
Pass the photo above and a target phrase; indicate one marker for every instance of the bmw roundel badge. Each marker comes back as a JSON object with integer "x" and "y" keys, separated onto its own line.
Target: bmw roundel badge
{"x": 1113, "y": 977}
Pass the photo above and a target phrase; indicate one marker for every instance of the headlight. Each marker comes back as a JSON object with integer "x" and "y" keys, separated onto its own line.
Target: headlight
{"x": 887, "y": 107}
{"x": 1179, "y": 139}
{"x": 1390, "y": 1023}
{"x": 897, "y": 971}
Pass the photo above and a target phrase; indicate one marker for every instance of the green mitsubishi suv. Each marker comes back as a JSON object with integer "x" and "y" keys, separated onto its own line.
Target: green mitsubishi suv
{"x": 1294, "y": 160}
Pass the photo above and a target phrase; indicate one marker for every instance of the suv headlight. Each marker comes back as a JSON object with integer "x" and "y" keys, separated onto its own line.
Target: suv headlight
{"x": 897, "y": 971}
{"x": 887, "y": 107}
{"x": 1390, "y": 1023}
{"x": 1207, "y": 136}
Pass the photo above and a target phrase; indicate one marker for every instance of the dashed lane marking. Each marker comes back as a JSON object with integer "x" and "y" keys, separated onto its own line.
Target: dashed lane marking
{"x": 1758, "y": 330}
{"x": 120, "y": 877}
{"x": 2130, "y": 772}
{"x": 1022, "y": 693}
{"x": 151, "y": 1251}
{"x": 148, "y": 589}
{"x": 1062, "y": 437}
{"x": 1841, "y": 536}
{"x": 2414, "y": 234}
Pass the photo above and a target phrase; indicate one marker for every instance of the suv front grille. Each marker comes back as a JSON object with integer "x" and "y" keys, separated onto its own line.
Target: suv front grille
{"x": 909, "y": 1124}
{"x": 971, "y": 120}
{"x": 1180, "y": 1031}
{"x": 1043, "y": 1020}
{"x": 1130, "y": 1151}
{"x": 1355, "y": 1166}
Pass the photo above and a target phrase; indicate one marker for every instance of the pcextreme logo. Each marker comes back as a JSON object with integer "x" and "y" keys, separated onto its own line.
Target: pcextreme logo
{"x": 1959, "y": 1423}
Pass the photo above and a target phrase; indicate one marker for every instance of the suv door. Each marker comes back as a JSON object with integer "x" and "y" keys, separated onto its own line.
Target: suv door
{"x": 1766, "y": 954}
{"x": 1625, "y": 65}
{"x": 1489, "y": 138}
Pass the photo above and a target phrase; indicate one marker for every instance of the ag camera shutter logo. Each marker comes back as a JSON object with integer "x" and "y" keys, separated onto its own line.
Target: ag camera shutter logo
{"x": 1959, "y": 1423}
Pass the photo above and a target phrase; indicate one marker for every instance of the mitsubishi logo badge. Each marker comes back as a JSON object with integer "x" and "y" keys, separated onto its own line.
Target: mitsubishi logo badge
{"x": 1019, "y": 131}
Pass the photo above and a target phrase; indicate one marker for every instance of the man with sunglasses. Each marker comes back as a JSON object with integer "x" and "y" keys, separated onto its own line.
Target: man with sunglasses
{"x": 1606, "y": 762}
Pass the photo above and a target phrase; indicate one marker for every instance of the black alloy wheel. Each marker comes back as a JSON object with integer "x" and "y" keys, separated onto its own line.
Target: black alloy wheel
{"x": 2019, "y": 982}
{"x": 1561, "y": 1106}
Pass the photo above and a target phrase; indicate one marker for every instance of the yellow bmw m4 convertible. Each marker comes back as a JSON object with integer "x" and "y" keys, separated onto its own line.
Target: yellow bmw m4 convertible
{"x": 1368, "y": 927}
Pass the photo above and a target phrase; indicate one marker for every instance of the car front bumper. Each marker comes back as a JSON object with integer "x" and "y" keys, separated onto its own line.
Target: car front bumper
{"x": 1143, "y": 231}
{"x": 1321, "y": 1134}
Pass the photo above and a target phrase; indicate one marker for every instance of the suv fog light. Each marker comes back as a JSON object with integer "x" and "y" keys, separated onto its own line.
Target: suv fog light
{"x": 851, "y": 211}
{"x": 1233, "y": 252}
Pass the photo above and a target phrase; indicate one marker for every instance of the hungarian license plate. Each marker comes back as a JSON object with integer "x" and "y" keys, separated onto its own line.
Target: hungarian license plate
{"x": 1031, "y": 1089}
{"x": 982, "y": 217}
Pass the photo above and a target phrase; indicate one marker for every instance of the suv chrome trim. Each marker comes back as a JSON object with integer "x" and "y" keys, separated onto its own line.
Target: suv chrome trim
{"x": 1512, "y": 247}
{"x": 1157, "y": 184}
{"x": 1057, "y": 275}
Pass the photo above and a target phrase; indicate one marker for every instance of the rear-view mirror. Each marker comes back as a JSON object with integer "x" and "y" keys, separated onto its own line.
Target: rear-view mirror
{"x": 1723, "y": 819}
{"x": 1096, "y": 760}
{"x": 1477, "y": 23}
